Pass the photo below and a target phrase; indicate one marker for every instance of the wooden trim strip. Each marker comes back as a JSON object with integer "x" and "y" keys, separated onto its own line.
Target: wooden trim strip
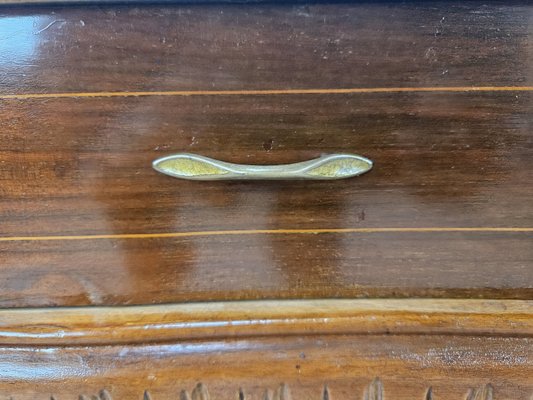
{"x": 163, "y": 235}
{"x": 241, "y": 319}
{"x": 266, "y": 92}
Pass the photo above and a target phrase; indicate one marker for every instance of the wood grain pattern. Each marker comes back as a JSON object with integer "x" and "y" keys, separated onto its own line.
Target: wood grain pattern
{"x": 327, "y": 349}
{"x": 439, "y": 95}
{"x": 269, "y": 46}
{"x": 88, "y": 272}
{"x": 227, "y": 320}
{"x": 446, "y": 212}
{"x": 454, "y": 367}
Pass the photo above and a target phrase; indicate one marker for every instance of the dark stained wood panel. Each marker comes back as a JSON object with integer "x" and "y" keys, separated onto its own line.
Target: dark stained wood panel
{"x": 173, "y": 47}
{"x": 345, "y": 273}
{"x": 375, "y": 367}
{"x": 489, "y": 265}
{"x": 451, "y": 182}
{"x": 442, "y": 160}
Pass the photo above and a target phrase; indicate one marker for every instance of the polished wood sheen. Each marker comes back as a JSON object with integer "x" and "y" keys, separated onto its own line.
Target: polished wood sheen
{"x": 213, "y": 320}
{"x": 412, "y": 281}
{"x": 440, "y": 98}
{"x": 327, "y": 349}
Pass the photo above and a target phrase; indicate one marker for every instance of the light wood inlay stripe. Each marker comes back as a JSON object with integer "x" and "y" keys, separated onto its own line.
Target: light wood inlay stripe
{"x": 163, "y": 235}
{"x": 267, "y": 92}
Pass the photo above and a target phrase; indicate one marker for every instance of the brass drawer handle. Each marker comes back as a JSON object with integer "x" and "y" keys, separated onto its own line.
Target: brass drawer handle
{"x": 196, "y": 167}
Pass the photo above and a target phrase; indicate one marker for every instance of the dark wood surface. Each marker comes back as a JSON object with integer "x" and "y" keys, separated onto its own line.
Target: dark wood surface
{"x": 76, "y": 148}
{"x": 271, "y": 46}
{"x": 438, "y": 94}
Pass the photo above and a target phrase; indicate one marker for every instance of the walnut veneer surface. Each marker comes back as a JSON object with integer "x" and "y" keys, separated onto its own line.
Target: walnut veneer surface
{"x": 117, "y": 282}
{"x": 445, "y": 212}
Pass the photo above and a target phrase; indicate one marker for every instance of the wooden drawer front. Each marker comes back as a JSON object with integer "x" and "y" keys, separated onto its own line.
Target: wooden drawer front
{"x": 446, "y": 211}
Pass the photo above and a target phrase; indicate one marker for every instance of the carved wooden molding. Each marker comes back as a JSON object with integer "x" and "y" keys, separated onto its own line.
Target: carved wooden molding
{"x": 160, "y": 352}
{"x": 374, "y": 391}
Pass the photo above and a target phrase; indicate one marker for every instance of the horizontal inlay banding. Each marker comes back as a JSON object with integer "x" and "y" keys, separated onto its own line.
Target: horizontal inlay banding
{"x": 266, "y": 92}
{"x": 163, "y": 235}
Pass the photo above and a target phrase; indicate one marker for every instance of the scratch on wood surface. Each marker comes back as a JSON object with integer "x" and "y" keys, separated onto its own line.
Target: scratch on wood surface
{"x": 49, "y": 26}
